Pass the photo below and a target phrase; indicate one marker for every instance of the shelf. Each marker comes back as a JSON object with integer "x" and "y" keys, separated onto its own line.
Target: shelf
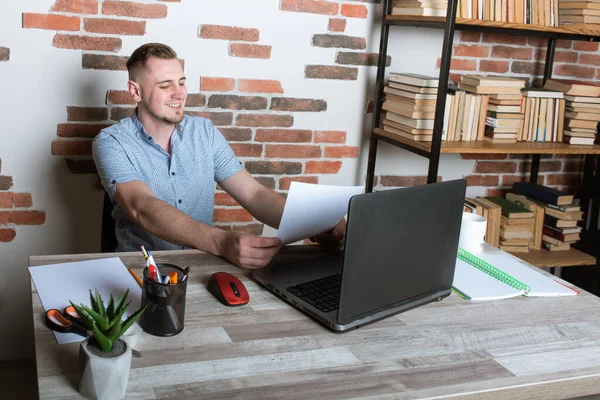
{"x": 548, "y": 259}
{"x": 567, "y": 32}
{"x": 484, "y": 147}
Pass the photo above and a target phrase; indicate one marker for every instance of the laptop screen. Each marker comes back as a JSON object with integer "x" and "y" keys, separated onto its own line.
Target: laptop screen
{"x": 401, "y": 245}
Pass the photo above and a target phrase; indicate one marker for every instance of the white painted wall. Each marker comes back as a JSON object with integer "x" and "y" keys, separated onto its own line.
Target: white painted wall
{"x": 39, "y": 82}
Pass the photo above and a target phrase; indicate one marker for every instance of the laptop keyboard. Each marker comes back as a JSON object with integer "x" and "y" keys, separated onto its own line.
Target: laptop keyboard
{"x": 323, "y": 293}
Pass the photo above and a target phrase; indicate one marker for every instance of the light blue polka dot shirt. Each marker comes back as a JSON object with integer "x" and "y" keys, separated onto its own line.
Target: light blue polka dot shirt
{"x": 200, "y": 156}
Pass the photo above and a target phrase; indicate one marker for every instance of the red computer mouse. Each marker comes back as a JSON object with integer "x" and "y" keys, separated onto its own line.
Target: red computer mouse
{"x": 228, "y": 289}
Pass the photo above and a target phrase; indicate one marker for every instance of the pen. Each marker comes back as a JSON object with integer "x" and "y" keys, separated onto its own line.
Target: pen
{"x": 136, "y": 277}
{"x": 153, "y": 272}
{"x": 185, "y": 273}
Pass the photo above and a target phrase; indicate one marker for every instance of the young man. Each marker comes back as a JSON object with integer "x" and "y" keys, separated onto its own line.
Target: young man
{"x": 159, "y": 167}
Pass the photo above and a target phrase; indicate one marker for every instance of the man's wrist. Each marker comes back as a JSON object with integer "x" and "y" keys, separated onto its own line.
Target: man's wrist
{"x": 218, "y": 238}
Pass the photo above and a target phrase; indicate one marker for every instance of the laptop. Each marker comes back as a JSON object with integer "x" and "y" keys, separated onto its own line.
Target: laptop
{"x": 399, "y": 253}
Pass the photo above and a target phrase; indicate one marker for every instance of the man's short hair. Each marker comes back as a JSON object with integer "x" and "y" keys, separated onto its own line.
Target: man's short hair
{"x": 137, "y": 60}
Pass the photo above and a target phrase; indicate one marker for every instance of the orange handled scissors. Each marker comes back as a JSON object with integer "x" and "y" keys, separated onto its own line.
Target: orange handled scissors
{"x": 67, "y": 321}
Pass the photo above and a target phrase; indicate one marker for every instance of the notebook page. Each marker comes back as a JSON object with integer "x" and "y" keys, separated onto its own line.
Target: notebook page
{"x": 540, "y": 285}
{"x": 477, "y": 285}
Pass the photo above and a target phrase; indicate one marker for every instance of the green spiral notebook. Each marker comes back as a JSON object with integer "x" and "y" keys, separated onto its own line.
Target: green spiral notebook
{"x": 498, "y": 275}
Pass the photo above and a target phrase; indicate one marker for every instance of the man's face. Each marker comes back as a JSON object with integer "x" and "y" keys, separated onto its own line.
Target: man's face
{"x": 162, "y": 90}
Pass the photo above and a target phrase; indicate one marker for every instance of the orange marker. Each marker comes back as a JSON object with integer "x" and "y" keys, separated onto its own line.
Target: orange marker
{"x": 173, "y": 277}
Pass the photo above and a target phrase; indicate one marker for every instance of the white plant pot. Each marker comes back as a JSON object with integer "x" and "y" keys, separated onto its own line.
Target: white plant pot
{"x": 104, "y": 376}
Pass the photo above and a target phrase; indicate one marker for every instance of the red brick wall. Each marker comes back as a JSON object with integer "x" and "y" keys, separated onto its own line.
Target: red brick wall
{"x": 15, "y": 209}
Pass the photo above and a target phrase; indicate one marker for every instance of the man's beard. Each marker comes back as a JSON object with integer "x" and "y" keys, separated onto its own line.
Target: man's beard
{"x": 167, "y": 120}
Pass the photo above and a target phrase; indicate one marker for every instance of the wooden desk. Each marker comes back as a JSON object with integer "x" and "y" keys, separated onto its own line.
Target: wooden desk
{"x": 521, "y": 348}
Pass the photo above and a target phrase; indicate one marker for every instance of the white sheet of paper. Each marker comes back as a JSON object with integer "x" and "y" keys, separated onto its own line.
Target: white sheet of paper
{"x": 313, "y": 209}
{"x": 58, "y": 283}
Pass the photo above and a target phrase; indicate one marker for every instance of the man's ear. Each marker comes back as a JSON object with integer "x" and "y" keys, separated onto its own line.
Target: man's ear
{"x": 134, "y": 89}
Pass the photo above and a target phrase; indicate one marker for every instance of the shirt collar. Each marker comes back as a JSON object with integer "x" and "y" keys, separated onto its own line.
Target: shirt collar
{"x": 140, "y": 128}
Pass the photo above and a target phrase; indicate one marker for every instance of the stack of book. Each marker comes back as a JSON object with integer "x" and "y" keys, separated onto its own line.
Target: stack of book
{"x": 492, "y": 212}
{"x": 515, "y": 11}
{"x": 544, "y": 111}
{"x": 516, "y": 226}
{"x": 503, "y": 115}
{"x": 433, "y": 8}
{"x": 538, "y": 217}
{"x": 561, "y": 215}
{"x": 582, "y": 109}
{"x": 410, "y": 105}
{"x": 579, "y": 12}
{"x": 466, "y": 117}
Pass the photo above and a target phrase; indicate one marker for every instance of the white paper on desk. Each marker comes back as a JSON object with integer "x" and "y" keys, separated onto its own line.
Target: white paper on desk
{"x": 313, "y": 209}
{"x": 58, "y": 283}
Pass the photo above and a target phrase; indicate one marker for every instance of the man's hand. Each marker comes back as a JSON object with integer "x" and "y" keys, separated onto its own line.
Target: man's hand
{"x": 248, "y": 251}
{"x": 333, "y": 238}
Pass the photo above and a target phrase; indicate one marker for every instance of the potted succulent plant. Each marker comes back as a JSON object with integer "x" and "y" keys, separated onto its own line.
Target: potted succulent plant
{"x": 104, "y": 358}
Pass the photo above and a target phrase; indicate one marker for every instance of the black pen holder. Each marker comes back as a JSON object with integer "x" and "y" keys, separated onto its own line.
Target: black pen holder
{"x": 165, "y": 302}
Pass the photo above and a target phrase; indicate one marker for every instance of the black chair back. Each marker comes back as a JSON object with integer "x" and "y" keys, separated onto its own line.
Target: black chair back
{"x": 108, "y": 239}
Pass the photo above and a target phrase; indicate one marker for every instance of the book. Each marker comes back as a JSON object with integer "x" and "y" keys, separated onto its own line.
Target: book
{"x": 543, "y": 193}
{"x": 542, "y": 92}
{"x": 409, "y": 103}
{"x": 411, "y": 95}
{"x": 498, "y": 275}
{"x": 570, "y": 237}
{"x": 583, "y": 115}
{"x": 567, "y": 216}
{"x": 413, "y": 89}
{"x": 504, "y": 109}
{"x": 493, "y": 81}
{"x": 580, "y": 140}
{"x": 407, "y": 134}
{"x": 549, "y": 220}
{"x": 510, "y": 209}
{"x": 538, "y": 212}
{"x": 560, "y": 246}
{"x": 413, "y": 123}
{"x": 514, "y": 249}
{"x": 488, "y": 89}
{"x": 502, "y": 122}
{"x": 407, "y": 112}
{"x": 407, "y": 128}
{"x": 575, "y": 206}
{"x": 573, "y": 87}
{"x": 429, "y": 12}
{"x": 583, "y": 99}
{"x": 414, "y": 79}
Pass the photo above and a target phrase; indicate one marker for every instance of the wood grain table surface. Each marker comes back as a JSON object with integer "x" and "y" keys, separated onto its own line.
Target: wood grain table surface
{"x": 520, "y": 348}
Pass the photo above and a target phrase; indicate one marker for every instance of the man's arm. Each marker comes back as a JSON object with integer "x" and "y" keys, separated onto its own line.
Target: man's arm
{"x": 172, "y": 225}
{"x": 264, "y": 204}
{"x": 267, "y": 206}
{"x": 165, "y": 221}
